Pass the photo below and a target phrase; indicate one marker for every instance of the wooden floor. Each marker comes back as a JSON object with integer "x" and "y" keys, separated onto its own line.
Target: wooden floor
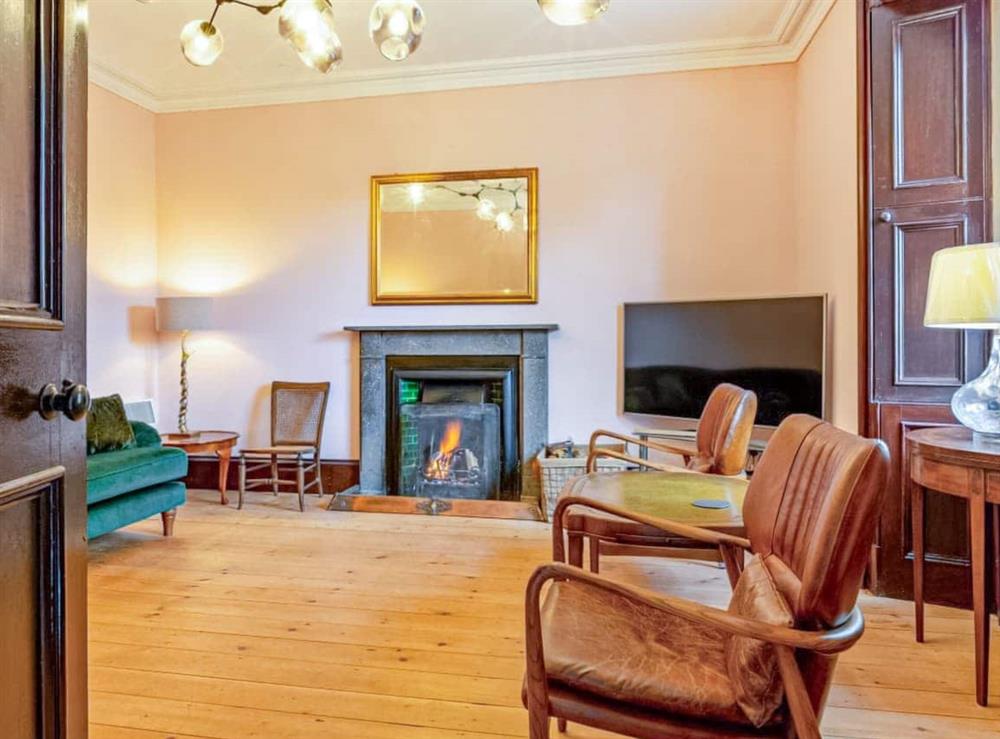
{"x": 270, "y": 623}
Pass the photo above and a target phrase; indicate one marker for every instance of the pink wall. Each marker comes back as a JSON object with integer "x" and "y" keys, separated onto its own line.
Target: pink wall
{"x": 655, "y": 187}
{"x": 121, "y": 248}
{"x": 826, "y": 193}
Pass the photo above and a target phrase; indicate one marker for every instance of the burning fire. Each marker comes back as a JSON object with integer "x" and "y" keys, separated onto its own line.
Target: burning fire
{"x": 439, "y": 465}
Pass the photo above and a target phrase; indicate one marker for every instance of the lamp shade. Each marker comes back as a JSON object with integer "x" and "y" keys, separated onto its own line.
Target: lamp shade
{"x": 964, "y": 287}
{"x": 183, "y": 314}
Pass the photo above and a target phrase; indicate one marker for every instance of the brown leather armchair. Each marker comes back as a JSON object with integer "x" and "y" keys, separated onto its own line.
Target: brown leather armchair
{"x": 722, "y": 441}
{"x": 644, "y": 664}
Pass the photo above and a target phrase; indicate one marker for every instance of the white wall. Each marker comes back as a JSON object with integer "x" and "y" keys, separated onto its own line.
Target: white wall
{"x": 826, "y": 193}
{"x": 121, "y": 248}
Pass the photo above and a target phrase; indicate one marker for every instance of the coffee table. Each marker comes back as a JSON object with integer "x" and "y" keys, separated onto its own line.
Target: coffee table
{"x": 670, "y": 495}
{"x": 219, "y": 442}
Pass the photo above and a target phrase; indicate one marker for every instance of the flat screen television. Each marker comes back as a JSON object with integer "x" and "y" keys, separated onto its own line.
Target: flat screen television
{"x": 676, "y": 353}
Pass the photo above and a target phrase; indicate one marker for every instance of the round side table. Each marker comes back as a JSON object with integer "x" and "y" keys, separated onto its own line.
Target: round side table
{"x": 952, "y": 461}
{"x": 219, "y": 442}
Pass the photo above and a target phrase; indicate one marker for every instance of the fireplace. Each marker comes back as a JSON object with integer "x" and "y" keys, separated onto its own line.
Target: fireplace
{"x": 452, "y": 411}
{"x": 452, "y": 427}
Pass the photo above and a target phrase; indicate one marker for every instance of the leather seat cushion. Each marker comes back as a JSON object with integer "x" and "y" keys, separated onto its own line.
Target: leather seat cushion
{"x": 601, "y": 643}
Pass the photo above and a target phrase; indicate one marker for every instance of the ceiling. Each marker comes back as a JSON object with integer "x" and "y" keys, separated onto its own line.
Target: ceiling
{"x": 134, "y": 48}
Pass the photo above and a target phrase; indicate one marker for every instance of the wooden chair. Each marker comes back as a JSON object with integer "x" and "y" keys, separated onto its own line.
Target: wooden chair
{"x": 645, "y": 664}
{"x": 720, "y": 448}
{"x": 297, "y": 413}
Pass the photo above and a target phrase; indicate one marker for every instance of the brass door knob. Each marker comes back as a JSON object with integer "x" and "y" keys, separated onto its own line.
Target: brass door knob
{"x": 73, "y": 401}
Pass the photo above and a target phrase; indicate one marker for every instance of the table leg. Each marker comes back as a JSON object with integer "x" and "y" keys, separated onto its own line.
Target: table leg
{"x": 917, "y": 521}
{"x": 996, "y": 559}
{"x": 224, "y": 456}
{"x": 981, "y": 613}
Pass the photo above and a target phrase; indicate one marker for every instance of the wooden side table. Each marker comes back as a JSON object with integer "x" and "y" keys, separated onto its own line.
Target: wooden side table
{"x": 219, "y": 442}
{"x": 950, "y": 460}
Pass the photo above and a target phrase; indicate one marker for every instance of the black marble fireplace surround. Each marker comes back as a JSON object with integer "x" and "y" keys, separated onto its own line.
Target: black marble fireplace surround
{"x": 504, "y": 367}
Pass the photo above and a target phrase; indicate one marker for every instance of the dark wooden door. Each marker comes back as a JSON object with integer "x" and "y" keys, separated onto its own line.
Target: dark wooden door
{"x": 43, "y": 77}
{"x": 925, "y": 83}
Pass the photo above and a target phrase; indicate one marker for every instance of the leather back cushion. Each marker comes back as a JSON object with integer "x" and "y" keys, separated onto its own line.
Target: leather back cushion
{"x": 811, "y": 510}
{"x": 752, "y": 665}
{"x": 724, "y": 430}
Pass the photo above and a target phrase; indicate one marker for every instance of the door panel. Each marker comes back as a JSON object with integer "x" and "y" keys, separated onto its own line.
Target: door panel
{"x": 928, "y": 124}
{"x": 42, "y": 303}
{"x": 947, "y": 573}
{"x": 17, "y": 176}
{"x": 925, "y": 87}
{"x": 912, "y": 362}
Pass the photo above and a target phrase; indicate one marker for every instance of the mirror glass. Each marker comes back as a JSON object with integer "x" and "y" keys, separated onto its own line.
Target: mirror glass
{"x": 460, "y": 237}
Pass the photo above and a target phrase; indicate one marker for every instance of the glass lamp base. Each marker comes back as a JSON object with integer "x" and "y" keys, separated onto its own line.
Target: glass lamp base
{"x": 977, "y": 403}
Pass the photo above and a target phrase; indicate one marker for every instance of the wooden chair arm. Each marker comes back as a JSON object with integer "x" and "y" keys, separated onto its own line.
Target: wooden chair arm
{"x": 685, "y": 451}
{"x": 594, "y": 454}
{"x": 831, "y": 641}
{"x": 799, "y": 705}
{"x": 695, "y": 533}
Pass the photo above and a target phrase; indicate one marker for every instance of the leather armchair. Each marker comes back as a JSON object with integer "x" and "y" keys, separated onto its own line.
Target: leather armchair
{"x": 645, "y": 664}
{"x": 722, "y": 441}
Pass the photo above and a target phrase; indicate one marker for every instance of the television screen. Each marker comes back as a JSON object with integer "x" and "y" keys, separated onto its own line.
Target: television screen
{"x": 676, "y": 353}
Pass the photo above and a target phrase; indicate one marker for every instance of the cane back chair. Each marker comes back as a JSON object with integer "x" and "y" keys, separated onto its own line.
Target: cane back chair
{"x": 720, "y": 448}
{"x": 297, "y": 413}
{"x": 645, "y": 664}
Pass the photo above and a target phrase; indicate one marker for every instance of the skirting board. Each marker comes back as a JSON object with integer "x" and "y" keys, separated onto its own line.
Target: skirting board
{"x": 521, "y": 510}
{"x": 203, "y": 472}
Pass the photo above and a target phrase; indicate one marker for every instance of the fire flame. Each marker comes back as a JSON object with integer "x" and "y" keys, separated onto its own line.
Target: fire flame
{"x": 439, "y": 465}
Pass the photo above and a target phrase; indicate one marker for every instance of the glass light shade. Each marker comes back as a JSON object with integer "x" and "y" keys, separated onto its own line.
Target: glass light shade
{"x": 486, "y": 210}
{"x": 572, "y": 12}
{"x": 504, "y": 222}
{"x": 308, "y": 26}
{"x": 963, "y": 292}
{"x": 201, "y": 43}
{"x": 396, "y": 27}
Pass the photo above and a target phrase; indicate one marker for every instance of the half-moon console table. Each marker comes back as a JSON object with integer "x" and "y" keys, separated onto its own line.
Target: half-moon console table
{"x": 949, "y": 460}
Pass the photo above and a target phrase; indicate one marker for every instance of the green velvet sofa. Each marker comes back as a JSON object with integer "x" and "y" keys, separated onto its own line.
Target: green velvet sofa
{"x": 128, "y": 485}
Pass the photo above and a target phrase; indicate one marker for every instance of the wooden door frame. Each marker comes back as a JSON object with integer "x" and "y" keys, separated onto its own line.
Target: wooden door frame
{"x": 870, "y": 411}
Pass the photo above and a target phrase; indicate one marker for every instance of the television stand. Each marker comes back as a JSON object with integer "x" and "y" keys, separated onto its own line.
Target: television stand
{"x": 689, "y": 435}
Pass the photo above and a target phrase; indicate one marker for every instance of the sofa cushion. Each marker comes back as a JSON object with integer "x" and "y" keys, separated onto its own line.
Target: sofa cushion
{"x": 752, "y": 664}
{"x": 123, "y": 510}
{"x": 620, "y": 650}
{"x": 145, "y": 435}
{"x": 113, "y": 473}
{"x": 107, "y": 427}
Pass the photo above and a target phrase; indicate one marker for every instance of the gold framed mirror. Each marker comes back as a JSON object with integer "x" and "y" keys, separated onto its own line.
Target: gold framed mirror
{"x": 455, "y": 237}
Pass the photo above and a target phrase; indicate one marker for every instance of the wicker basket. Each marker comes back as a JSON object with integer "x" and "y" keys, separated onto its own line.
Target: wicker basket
{"x": 555, "y": 472}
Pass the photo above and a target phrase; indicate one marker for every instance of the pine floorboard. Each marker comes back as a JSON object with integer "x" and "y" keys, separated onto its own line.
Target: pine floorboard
{"x": 271, "y": 623}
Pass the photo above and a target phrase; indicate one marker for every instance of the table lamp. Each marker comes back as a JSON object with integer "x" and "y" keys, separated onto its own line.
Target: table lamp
{"x": 185, "y": 315}
{"x": 964, "y": 293}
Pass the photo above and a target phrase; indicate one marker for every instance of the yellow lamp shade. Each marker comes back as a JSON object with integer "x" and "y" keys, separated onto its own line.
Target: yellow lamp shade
{"x": 964, "y": 287}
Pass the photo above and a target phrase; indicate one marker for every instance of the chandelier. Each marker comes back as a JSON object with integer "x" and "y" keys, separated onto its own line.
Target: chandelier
{"x": 394, "y": 26}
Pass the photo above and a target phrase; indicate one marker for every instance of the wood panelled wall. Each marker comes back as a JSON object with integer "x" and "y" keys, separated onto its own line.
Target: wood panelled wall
{"x": 925, "y": 92}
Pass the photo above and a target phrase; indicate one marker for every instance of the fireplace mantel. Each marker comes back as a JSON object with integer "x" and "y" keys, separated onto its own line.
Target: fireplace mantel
{"x": 528, "y": 342}
{"x": 547, "y": 327}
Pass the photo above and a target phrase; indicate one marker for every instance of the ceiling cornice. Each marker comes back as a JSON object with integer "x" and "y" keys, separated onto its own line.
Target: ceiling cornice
{"x": 790, "y": 36}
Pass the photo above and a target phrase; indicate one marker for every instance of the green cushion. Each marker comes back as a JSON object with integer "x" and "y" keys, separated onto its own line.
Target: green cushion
{"x": 114, "y": 473}
{"x": 127, "y": 509}
{"x": 145, "y": 435}
{"x": 107, "y": 427}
